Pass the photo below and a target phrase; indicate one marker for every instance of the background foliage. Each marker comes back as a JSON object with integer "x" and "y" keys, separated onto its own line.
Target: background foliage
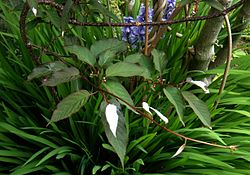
{"x": 88, "y": 59}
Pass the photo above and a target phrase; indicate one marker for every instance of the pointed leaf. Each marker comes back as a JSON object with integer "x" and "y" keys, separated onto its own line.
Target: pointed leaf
{"x": 46, "y": 69}
{"x": 112, "y": 44}
{"x": 174, "y": 96}
{"x": 82, "y": 54}
{"x": 165, "y": 119}
{"x": 159, "y": 60}
{"x": 124, "y": 69}
{"x": 95, "y": 6}
{"x": 145, "y": 106}
{"x": 215, "y": 4}
{"x": 134, "y": 58}
{"x": 66, "y": 14}
{"x": 106, "y": 58}
{"x": 117, "y": 89}
{"x": 199, "y": 107}
{"x": 201, "y": 84}
{"x": 70, "y": 105}
{"x": 119, "y": 143}
{"x": 33, "y": 5}
{"x": 65, "y": 75}
{"x": 179, "y": 150}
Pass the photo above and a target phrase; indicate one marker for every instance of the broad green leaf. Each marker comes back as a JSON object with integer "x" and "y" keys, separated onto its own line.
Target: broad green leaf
{"x": 174, "y": 96}
{"x": 117, "y": 89}
{"x": 124, "y": 69}
{"x": 46, "y": 69}
{"x": 82, "y": 54}
{"x": 134, "y": 58}
{"x": 53, "y": 17}
{"x": 106, "y": 58}
{"x": 199, "y": 107}
{"x": 70, "y": 105}
{"x": 112, "y": 44}
{"x": 62, "y": 76}
{"x": 95, "y": 6}
{"x": 66, "y": 14}
{"x": 33, "y": 4}
{"x": 160, "y": 60}
{"x": 215, "y": 4}
{"x": 119, "y": 143}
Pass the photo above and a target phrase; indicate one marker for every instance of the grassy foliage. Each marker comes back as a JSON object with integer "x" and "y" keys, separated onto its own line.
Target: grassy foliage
{"x": 79, "y": 144}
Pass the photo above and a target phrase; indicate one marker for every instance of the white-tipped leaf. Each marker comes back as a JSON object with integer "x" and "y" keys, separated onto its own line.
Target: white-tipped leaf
{"x": 34, "y": 10}
{"x": 145, "y": 106}
{"x": 201, "y": 84}
{"x": 165, "y": 119}
{"x": 179, "y": 150}
{"x": 112, "y": 117}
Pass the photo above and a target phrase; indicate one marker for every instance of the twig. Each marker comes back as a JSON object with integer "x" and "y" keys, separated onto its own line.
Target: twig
{"x": 232, "y": 147}
{"x": 229, "y": 58}
{"x": 169, "y": 22}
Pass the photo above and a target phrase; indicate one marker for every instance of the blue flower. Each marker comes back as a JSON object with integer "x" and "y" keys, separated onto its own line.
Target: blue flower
{"x": 169, "y": 9}
{"x": 134, "y": 34}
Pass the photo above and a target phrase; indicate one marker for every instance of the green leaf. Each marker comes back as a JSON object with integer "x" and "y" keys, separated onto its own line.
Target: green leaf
{"x": 215, "y": 4}
{"x": 70, "y": 105}
{"x": 134, "y": 58}
{"x": 22, "y": 134}
{"x": 174, "y": 96}
{"x": 53, "y": 17}
{"x": 82, "y": 54}
{"x": 199, "y": 107}
{"x": 159, "y": 59}
{"x": 111, "y": 44}
{"x": 54, "y": 152}
{"x": 119, "y": 143}
{"x": 66, "y": 14}
{"x": 46, "y": 69}
{"x": 242, "y": 112}
{"x": 124, "y": 69}
{"x": 236, "y": 101}
{"x": 62, "y": 76}
{"x": 136, "y": 8}
{"x": 97, "y": 7}
{"x": 33, "y": 3}
{"x": 117, "y": 89}
{"x": 106, "y": 58}
{"x": 95, "y": 169}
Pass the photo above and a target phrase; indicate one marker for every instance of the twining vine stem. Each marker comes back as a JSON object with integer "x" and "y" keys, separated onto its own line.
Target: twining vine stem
{"x": 229, "y": 58}
{"x": 231, "y": 147}
{"x": 59, "y": 7}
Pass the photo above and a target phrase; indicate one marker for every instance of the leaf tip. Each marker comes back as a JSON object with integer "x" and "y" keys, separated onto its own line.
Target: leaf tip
{"x": 34, "y": 10}
{"x": 112, "y": 117}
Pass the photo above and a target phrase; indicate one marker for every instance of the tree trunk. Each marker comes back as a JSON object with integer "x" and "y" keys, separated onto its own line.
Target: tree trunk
{"x": 240, "y": 25}
{"x": 204, "y": 47}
